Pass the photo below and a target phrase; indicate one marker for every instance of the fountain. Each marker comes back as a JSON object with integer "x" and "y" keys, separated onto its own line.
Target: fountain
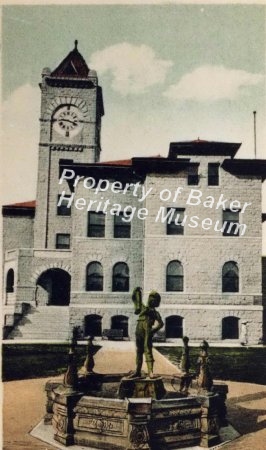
{"x": 119, "y": 412}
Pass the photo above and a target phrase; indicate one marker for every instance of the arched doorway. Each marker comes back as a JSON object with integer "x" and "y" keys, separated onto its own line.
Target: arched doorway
{"x": 230, "y": 327}
{"x": 53, "y": 288}
{"x": 93, "y": 325}
{"x": 10, "y": 281}
{"x": 120, "y": 322}
{"x": 174, "y": 327}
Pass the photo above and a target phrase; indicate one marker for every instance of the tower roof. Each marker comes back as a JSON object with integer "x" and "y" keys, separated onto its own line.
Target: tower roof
{"x": 74, "y": 65}
{"x": 201, "y": 147}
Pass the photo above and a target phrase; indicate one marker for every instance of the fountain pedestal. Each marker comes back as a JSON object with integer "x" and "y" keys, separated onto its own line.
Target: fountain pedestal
{"x": 142, "y": 388}
{"x": 65, "y": 400}
{"x": 209, "y": 419}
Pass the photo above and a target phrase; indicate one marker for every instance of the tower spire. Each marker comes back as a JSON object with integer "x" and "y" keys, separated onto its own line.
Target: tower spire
{"x": 73, "y": 65}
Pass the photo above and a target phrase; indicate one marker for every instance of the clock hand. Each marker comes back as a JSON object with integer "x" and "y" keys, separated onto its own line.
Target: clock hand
{"x": 67, "y": 120}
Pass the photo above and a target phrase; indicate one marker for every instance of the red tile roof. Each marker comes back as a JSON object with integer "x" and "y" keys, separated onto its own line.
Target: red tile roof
{"x": 124, "y": 162}
{"x": 119, "y": 162}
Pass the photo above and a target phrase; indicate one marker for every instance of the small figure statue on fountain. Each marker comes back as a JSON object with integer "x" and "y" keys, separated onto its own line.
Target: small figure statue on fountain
{"x": 145, "y": 329}
{"x": 204, "y": 377}
{"x": 71, "y": 375}
{"x": 87, "y": 368}
{"x": 185, "y": 366}
{"x": 75, "y": 336}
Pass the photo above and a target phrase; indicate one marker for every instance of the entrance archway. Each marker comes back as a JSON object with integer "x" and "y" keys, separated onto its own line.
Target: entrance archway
{"x": 174, "y": 327}
{"x": 53, "y": 288}
{"x": 120, "y": 322}
{"x": 93, "y": 325}
{"x": 230, "y": 327}
{"x": 10, "y": 281}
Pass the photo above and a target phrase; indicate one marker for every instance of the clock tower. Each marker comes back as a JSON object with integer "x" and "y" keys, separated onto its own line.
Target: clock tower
{"x": 70, "y": 127}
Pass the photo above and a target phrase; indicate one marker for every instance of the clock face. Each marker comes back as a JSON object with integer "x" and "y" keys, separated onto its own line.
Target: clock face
{"x": 68, "y": 121}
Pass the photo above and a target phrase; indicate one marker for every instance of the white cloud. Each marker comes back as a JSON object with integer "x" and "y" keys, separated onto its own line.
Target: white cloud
{"x": 20, "y": 132}
{"x": 133, "y": 68}
{"x": 211, "y": 83}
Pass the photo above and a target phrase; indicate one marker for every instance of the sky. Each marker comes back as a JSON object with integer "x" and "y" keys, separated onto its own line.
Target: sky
{"x": 168, "y": 73}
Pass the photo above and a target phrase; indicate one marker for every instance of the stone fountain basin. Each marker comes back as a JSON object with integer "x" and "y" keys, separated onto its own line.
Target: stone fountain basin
{"x": 93, "y": 415}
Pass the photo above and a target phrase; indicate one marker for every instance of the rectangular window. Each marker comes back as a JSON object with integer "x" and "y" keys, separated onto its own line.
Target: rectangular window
{"x": 231, "y": 222}
{"x": 96, "y": 224}
{"x": 174, "y": 226}
{"x": 213, "y": 174}
{"x": 63, "y": 210}
{"x": 121, "y": 228}
{"x": 63, "y": 241}
{"x": 193, "y": 176}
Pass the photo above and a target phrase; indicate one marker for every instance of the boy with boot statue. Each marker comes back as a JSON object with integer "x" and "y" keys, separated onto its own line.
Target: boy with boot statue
{"x": 145, "y": 329}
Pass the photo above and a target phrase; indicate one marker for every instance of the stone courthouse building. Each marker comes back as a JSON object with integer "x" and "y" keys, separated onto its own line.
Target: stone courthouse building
{"x": 188, "y": 225}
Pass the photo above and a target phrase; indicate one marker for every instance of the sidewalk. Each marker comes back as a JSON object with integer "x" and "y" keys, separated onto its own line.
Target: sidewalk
{"x": 24, "y": 402}
{"x": 170, "y": 343}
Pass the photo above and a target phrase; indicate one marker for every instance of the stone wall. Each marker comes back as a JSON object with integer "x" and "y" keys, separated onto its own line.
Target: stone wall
{"x": 106, "y": 312}
{"x": 17, "y": 232}
{"x": 107, "y": 250}
{"x": 264, "y": 280}
{"x": 203, "y": 322}
{"x": 203, "y": 252}
{"x": 29, "y": 264}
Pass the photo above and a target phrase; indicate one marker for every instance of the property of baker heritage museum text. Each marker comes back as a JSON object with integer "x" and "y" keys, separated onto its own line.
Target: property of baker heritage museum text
{"x": 187, "y": 225}
{"x": 169, "y": 215}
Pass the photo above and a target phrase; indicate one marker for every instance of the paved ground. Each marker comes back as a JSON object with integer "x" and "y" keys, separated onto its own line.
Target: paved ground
{"x": 24, "y": 403}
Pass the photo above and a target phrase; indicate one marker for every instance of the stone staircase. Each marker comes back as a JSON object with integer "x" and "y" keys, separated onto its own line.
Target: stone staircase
{"x": 43, "y": 323}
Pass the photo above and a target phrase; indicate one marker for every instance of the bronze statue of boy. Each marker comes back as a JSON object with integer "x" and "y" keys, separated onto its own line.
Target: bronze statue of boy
{"x": 145, "y": 329}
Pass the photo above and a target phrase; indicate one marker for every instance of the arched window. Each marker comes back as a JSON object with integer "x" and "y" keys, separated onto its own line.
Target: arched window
{"x": 93, "y": 325}
{"x": 230, "y": 277}
{"x": 94, "y": 277}
{"x": 174, "y": 276}
{"x": 120, "y": 323}
{"x": 230, "y": 327}
{"x": 10, "y": 281}
{"x": 120, "y": 277}
{"x": 174, "y": 327}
